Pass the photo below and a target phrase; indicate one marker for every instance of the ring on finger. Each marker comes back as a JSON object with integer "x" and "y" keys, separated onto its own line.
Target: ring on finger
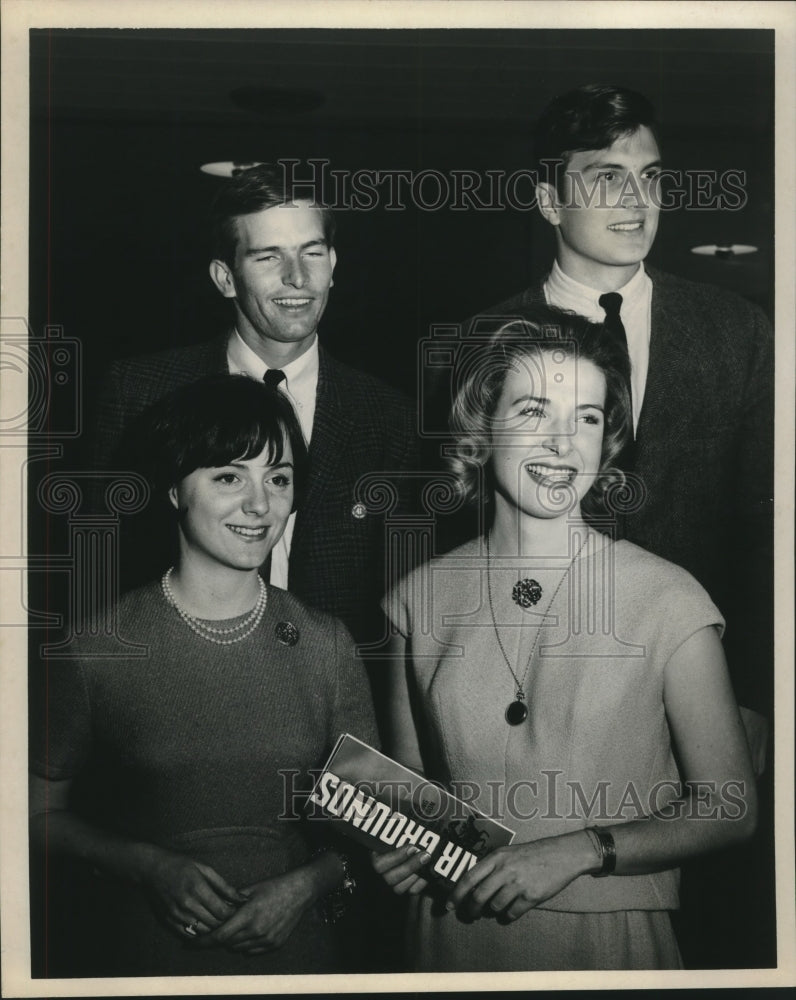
{"x": 190, "y": 928}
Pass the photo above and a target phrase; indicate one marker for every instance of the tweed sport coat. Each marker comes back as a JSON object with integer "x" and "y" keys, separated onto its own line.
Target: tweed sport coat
{"x": 704, "y": 456}
{"x": 361, "y": 426}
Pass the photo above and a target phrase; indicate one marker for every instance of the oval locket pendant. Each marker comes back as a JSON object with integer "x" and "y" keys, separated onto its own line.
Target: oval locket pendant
{"x": 516, "y": 713}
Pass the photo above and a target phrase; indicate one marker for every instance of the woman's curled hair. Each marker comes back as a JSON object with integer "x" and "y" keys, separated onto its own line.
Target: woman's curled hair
{"x": 525, "y": 341}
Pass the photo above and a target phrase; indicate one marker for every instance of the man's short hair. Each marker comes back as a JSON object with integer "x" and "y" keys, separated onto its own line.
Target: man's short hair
{"x": 593, "y": 116}
{"x": 250, "y": 191}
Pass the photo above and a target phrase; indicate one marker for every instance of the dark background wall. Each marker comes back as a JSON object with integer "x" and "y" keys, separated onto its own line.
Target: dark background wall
{"x": 122, "y": 120}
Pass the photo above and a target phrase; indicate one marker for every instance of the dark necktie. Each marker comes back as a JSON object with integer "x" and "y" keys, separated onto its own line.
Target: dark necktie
{"x": 611, "y": 303}
{"x": 273, "y": 377}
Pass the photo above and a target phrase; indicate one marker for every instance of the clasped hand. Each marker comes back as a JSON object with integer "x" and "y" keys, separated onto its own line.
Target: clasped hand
{"x": 265, "y": 920}
{"x": 203, "y": 908}
{"x": 187, "y": 892}
{"x": 506, "y": 884}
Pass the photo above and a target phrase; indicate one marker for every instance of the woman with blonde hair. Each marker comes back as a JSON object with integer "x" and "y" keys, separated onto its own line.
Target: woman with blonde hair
{"x": 568, "y": 684}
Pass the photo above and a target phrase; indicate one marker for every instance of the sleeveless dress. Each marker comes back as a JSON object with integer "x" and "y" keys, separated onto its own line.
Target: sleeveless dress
{"x": 205, "y": 750}
{"x": 594, "y": 750}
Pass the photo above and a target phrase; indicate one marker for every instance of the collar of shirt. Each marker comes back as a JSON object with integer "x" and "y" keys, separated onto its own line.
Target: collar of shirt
{"x": 300, "y": 386}
{"x": 301, "y": 376}
{"x": 564, "y": 292}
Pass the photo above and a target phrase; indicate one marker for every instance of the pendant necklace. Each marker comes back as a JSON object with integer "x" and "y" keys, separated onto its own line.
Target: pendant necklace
{"x": 517, "y": 710}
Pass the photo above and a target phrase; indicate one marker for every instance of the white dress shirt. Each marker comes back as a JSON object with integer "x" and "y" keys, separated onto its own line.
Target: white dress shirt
{"x": 300, "y": 385}
{"x": 564, "y": 292}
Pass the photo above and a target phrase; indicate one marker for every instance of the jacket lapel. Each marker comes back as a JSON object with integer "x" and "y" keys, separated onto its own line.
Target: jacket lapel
{"x": 673, "y": 375}
{"x": 332, "y": 427}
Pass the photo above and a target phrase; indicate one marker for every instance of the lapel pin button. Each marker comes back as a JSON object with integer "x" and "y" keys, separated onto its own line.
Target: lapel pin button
{"x": 359, "y": 510}
{"x": 287, "y": 633}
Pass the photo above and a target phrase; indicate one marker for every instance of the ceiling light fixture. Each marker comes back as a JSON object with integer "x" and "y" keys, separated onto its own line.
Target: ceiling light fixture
{"x": 725, "y": 251}
{"x": 227, "y": 168}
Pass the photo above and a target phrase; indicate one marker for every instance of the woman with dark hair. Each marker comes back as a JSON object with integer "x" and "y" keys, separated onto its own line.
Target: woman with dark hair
{"x": 570, "y": 685}
{"x": 197, "y": 745}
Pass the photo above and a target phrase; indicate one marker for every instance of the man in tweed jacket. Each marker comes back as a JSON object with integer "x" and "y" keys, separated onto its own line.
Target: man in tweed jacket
{"x": 274, "y": 259}
{"x": 701, "y": 465}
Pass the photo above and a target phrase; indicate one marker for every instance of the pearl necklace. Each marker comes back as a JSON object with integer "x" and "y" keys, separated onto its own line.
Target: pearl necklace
{"x": 208, "y": 632}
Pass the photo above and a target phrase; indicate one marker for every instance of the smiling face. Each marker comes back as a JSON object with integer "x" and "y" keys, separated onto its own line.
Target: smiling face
{"x": 606, "y": 214}
{"x": 233, "y": 515}
{"x": 280, "y": 279}
{"x": 547, "y": 434}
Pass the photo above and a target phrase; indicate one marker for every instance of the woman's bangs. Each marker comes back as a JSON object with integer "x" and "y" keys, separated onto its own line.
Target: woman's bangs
{"x": 224, "y": 444}
{"x": 244, "y": 443}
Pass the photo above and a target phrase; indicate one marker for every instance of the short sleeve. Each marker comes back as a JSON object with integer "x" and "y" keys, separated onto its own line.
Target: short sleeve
{"x": 395, "y": 608}
{"x": 686, "y": 607}
{"x": 353, "y": 703}
{"x": 660, "y": 602}
{"x": 60, "y": 720}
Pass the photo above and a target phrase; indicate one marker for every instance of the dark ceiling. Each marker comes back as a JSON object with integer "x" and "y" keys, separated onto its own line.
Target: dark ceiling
{"x": 701, "y": 81}
{"x": 122, "y": 119}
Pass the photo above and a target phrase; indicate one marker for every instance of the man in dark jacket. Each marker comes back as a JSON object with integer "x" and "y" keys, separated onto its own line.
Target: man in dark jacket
{"x": 273, "y": 258}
